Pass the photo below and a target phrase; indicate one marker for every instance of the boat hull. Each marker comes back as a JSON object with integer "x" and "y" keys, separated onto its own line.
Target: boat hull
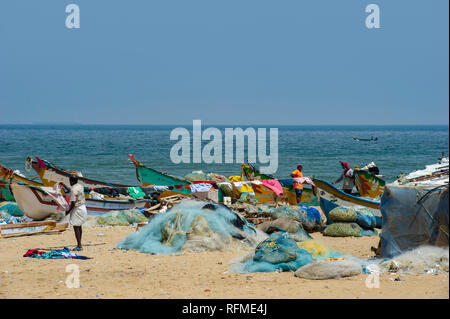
{"x": 37, "y": 205}
{"x": 149, "y": 177}
{"x": 330, "y": 193}
{"x": 7, "y": 176}
{"x": 51, "y": 175}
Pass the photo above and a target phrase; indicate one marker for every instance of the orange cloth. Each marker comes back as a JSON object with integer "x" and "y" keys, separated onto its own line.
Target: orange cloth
{"x": 297, "y": 174}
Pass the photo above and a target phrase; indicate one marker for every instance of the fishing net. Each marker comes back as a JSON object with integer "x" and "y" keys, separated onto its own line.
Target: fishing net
{"x": 367, "y": 219}
{"x": 287, "y": 224}
{"x": 193, "y": 226}
{"x": 347, "y": 230}
{"x": 323, "y": 269}
{"x": 422, "y": 260}
{"x": 342, "y": 214}
{"x": 196, "y": 176}
{"x": 11, "y": 208}
{"x": 318, "y": 249}
{"x": 281, "y": 252}
{"x": 278, "y": 252}
{"x": 309, "y": 217}
{"x": 364, "y": 217}
{"x": 121, "y": 218}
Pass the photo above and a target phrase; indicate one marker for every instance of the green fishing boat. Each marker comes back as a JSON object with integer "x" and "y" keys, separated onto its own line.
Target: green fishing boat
{"x": 150, "y": 177}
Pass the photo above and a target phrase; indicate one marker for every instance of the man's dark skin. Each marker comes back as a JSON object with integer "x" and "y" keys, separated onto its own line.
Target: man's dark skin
{"x": 77, "y": 229}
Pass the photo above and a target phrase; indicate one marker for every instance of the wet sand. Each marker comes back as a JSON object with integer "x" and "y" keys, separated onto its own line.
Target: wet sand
{"x": 115, "y": 273}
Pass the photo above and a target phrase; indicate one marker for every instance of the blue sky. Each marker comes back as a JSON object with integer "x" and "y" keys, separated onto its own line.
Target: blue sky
{"x": 224, "y": 62}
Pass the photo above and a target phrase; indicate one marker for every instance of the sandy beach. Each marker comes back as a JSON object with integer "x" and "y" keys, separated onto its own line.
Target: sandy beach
{"x": 115, "y": 273}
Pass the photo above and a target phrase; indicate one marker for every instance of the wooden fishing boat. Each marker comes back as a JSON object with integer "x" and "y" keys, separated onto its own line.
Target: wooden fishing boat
{"x": 38, "y": 205}
{"x": 148, "y": 177}
{"x": 7, "y": 176}
{"x": 51, "y": 174}
{"x": 368, "y": 184}
{"x": 308, "y": 197}
{"x": 331, "y": 197}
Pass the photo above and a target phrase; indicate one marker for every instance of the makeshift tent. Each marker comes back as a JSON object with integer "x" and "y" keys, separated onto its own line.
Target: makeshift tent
{"x": 413, "y": 216}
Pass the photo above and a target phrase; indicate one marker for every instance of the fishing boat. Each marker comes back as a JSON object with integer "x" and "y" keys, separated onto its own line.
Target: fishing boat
{"x": 7, "y": 176}
{"x": 331, "y": 197}
{"x": 368, "y": 184}
{"x": 148, "y": 176}
{"x": 51, "y": 174}
{"x": 252, "y": 173}
{"x": 365, "y": 139}
{"x": 38, "y": 205}
{"x": 434, "y": 175}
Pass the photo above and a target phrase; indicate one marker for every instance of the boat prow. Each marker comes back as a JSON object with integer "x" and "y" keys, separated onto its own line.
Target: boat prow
{"x": 336, "y": 196}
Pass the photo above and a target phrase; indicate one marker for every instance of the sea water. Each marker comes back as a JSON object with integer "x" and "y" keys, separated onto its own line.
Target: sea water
{"x": 100, "y": 151}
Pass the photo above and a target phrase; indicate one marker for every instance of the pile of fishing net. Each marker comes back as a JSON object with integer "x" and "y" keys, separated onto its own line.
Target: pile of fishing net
{"x": 281, "y": 252}
{"x": 310, "y": 218}
{"x": 421, "y": 260}
{"x": 345, "y": 221}
{"x": 122, "y": 218}
{"x": 287, "y": 224}
{"x": 193, "y": 226}
{"x": 10, "y": 208}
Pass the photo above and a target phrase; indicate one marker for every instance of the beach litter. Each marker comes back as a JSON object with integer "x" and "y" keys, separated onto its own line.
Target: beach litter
{"x": 195, "y": 226}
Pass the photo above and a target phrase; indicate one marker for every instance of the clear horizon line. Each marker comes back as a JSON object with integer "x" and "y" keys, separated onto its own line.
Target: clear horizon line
{"x": 229, "y": 124}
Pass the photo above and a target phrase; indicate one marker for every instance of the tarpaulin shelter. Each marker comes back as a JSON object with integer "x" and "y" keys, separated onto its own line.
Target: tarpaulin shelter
{"x": 412, "y": 217}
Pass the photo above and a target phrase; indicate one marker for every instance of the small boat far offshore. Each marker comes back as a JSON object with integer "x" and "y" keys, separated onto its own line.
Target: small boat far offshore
{"x": 365, "y": 139}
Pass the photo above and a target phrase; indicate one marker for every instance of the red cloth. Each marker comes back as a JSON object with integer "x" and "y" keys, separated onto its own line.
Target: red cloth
{"x": 346, "y": 166}
{"x": 31, "y": 252}
{"x": 41, "y": 164}
{"x": 274, "y": 185}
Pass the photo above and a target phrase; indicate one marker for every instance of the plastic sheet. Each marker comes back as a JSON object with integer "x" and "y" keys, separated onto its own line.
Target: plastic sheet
{"x": 413, "y": 217}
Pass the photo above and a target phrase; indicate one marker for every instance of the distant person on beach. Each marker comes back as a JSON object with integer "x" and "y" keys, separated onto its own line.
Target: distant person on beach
{"x": 298, "y": 187}
{"x": 348, "y": 177}
{"x": 77, "y": 209}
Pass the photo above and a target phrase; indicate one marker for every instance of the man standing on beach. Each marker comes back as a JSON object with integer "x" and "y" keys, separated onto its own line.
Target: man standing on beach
{"x": 77, "y": 210}
{"x": 298, "y": 187}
